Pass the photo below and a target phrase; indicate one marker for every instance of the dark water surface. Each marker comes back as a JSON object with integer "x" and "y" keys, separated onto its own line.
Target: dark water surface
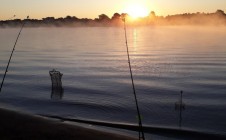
{"x": 96, "y": 80}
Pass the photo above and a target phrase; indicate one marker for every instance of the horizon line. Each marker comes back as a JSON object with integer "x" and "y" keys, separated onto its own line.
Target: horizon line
{"x": 12, "y": 18}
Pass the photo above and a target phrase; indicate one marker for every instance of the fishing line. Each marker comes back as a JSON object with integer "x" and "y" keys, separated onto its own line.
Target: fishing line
{"x": 141, "y": 132}
{"x": 6, "y": 70}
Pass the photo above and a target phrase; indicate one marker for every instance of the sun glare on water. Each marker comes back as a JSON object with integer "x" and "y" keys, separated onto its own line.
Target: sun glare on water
{"x": 136, "y": 10}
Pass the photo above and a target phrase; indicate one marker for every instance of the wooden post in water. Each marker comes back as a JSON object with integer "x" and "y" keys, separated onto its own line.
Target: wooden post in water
{"x": 57, "y": 89}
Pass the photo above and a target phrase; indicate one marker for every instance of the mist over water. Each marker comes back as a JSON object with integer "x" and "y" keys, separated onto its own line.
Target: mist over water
{"x": 96, "y": 80}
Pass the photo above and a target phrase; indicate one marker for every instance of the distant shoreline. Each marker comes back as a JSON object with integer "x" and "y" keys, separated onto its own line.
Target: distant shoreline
{"x": 207, "y": 19}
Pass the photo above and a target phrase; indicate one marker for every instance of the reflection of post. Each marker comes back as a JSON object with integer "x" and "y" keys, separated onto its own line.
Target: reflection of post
{"x": 180, "y": 106}
{"x": 57, "y": 90}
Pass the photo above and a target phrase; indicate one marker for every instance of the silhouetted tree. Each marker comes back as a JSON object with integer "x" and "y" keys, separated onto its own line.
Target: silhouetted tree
{"x": 116, "y": 16}
{"x": 124, "y": 16}
{"x": 70, "y": 18}
{"x": 151, "y": 18}
{"x": 103, "y": 17}
{"x": 217, "y": 18}
{"x": 220, "y": 12}
{"x": 152, "y": 14}
{"x": 116, "y": 19}
{"x": 48, "y": 19}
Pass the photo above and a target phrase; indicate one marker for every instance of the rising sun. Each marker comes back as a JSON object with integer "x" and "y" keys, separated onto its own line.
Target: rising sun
{"x": 136, "y": 10}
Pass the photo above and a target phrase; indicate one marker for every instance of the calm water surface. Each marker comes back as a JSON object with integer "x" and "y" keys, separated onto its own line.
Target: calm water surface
{"x": 96, "y": 80}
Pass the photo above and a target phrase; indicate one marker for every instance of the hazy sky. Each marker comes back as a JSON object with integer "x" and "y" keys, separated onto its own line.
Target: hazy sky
{"x": 93, "y": 8}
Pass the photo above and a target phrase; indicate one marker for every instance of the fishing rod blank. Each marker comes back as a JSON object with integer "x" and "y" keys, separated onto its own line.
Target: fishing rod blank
{"x": 141, "y": 132}
{"x": 6, "y": 70}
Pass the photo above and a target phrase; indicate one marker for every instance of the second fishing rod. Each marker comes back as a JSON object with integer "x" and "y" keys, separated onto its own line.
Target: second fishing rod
{"x": 141, "y": 132}
{"x": 7, "y": 67}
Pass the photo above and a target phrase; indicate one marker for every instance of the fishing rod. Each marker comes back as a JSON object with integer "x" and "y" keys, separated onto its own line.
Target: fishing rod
{"x": 6, "y": 70}
{"x": 141, "y": 132}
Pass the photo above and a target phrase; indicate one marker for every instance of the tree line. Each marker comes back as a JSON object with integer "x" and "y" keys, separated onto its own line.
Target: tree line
{"x": 217, "y": 18}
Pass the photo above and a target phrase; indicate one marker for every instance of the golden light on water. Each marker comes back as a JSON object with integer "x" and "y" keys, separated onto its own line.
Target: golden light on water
{"x": 135, "y": 39}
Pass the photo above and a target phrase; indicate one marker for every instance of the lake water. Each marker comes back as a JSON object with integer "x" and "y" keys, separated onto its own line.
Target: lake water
{"x": 96, "y": 79}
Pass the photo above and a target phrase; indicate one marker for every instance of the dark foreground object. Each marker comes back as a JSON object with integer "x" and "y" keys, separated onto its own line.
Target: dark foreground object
{"x": 18, "y": 126}
{"x": 167, "y": 132}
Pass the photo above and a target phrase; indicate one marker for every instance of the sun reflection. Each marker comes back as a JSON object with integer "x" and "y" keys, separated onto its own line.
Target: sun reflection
{"x": 135, "y": 40}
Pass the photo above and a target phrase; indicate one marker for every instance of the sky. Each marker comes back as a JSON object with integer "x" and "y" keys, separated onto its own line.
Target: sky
{"x": 38, "y": 9}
